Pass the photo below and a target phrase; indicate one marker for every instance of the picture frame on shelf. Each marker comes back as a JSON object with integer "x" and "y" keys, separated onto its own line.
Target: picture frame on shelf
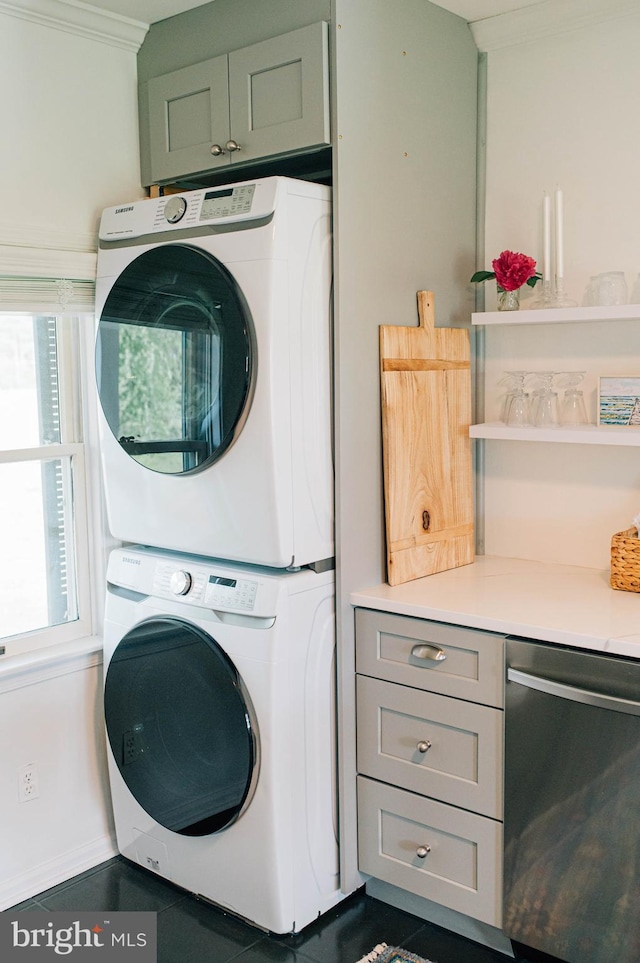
{"x": 619, "y": 400}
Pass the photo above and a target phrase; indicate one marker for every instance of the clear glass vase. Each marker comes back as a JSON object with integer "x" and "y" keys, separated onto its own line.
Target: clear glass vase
{"x": 508, "y": 300}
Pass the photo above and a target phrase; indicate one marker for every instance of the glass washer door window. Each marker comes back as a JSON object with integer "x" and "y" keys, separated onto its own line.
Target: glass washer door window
{"x": 181, "y": 727}
{"x": 175, "y": 359}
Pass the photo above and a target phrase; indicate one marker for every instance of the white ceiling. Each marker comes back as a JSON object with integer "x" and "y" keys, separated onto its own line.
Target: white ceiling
{"x": 150, "y": 11}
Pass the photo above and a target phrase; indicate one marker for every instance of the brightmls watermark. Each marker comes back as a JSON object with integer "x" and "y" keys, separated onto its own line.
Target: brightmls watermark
{"x": 34, "y": 937}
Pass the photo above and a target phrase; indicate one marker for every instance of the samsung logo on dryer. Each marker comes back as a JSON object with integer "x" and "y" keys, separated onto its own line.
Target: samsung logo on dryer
{"x": 131, "y": 561}
{"x": 123, "y": 210}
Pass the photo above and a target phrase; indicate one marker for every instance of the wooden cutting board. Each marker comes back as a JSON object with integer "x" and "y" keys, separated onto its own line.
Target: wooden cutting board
{"x": 428, "y": 475}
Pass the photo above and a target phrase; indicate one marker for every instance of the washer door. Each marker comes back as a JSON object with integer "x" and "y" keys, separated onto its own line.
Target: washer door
{"x": 180, "y": 726}
{"x": 175, "y": 359}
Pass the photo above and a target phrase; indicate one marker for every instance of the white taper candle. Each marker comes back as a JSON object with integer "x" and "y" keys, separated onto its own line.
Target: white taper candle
{"x": 546, "y": 238}
{"x": 559, "y": 236}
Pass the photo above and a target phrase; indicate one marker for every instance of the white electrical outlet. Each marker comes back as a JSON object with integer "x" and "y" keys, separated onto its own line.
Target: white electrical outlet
{"x": 28, "y": 787}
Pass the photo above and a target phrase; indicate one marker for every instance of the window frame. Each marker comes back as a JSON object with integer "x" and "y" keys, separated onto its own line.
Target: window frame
{"x": 73, "y": 346}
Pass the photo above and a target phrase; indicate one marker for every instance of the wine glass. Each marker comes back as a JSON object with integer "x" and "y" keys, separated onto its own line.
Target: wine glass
{"x": 545, "y": 403}
{"x": 517, "y": 409}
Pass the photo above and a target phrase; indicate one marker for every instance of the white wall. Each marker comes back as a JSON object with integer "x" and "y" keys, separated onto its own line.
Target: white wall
{"x": 69, "y": 129}
{"x": 53, "y": 720}
{"x": 68, "y": 149}
{"x": 562, "y": 112}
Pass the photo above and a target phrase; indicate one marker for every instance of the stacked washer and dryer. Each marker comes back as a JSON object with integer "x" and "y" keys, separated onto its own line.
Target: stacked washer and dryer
{"x": 213, "y": 363}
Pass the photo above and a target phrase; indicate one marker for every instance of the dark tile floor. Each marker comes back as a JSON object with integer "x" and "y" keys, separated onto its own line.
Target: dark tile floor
{"x": 192, "y": 931}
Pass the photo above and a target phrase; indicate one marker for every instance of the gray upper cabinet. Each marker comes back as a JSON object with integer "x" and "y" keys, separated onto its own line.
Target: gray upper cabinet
{"x": 260, "y": 101}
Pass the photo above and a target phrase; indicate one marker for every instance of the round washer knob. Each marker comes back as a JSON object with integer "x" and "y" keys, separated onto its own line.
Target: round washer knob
{"x": 180, "y": 582}
{"x": 174, "y": 209}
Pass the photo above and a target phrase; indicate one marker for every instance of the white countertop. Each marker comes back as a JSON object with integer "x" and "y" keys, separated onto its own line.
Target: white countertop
{"x": 555, "y": 603}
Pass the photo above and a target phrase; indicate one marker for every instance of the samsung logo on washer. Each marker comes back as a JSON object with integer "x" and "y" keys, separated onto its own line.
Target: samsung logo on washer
{"x": 126, "y": 936}
{"x": 123, "y": 210}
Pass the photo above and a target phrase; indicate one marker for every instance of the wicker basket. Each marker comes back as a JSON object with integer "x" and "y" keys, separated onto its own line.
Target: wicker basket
{"x": 625, "y": 561}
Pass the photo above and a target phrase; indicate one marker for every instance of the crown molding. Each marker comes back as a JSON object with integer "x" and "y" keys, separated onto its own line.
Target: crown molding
{"x": 81, "y": 19}
{"x": 546, "y": 19}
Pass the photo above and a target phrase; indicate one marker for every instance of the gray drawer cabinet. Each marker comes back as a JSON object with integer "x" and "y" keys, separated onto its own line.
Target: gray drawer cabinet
{"x": 430, "y": 760}
{"x": 260, "y": 101}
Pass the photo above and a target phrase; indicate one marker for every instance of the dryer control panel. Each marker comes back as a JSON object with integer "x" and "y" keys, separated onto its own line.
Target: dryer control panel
{"x": 248, "y": 201}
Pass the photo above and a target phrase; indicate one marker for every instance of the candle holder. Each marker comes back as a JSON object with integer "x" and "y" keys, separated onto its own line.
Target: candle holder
{"x": 545, "y": 300}
{"x": 553, "y": 297}
{"x": 559, "y": 299}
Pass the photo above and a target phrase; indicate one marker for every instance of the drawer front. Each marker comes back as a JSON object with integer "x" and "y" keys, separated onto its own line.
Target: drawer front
{"x": 440, "y": 747}
{"x": 433, "y": 850}
{"x": 396, "y": 648}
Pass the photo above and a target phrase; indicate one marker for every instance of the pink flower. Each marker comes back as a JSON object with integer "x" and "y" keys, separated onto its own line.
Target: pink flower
{"x": 512, "y": 270}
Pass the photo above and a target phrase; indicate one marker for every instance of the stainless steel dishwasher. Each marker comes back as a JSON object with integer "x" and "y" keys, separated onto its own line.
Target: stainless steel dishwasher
{"x": 572, "y": 803}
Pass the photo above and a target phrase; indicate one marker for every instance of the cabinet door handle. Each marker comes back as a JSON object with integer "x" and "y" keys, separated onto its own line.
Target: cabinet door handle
{"x": 430, "y": 653}
{"x": 232, "y": 145}
{"x": 217, "y": 150}
{"x": 423, "y": 851}
{"x": 424, "y": 746}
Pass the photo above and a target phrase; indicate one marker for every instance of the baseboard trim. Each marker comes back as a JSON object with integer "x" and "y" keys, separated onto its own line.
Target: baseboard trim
{"x": 37, "y": 879}
{"x": 441, "y": 916}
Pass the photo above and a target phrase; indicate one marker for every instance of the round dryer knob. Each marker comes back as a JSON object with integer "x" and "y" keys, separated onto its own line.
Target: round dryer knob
{"x": 174, "y": 209}
{"x": 180, "y": 582}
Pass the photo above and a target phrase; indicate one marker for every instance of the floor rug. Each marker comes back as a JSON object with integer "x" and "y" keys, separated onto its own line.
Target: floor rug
{"x": 382, "y": 953}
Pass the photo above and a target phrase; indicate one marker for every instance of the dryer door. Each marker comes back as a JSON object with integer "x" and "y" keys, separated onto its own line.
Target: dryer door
{"x": 175, "y": 359}
{"x": 180, "y": 726}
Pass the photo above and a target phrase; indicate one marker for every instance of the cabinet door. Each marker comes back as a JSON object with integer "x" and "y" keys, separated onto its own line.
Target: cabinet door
{"x": 188, "y": 114}
{"x": 279, "y": 94}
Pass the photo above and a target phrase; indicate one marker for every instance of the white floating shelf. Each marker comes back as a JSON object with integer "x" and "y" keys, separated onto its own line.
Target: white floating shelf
{"x": 620, "y": 312}
{"x": 579, "y": 435}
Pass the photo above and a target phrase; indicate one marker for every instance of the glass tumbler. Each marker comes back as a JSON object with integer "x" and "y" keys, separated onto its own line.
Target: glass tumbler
{"x": 611, "y": 288}
{"x": 572, "y": 409}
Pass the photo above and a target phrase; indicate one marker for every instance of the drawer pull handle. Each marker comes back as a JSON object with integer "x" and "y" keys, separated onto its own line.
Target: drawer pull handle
{"x": 424, "y": 746}
{"x": 423, "y": 851}
{"x": 430, "y": 653}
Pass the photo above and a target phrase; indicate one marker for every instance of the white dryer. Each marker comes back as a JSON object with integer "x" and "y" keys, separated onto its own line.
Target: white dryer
{"x": 213, "y": 363}
{"x": 219, "y": 709}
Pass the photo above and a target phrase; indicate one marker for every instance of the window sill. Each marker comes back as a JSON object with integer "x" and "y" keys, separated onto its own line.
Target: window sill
{"x": 39, "y": 665}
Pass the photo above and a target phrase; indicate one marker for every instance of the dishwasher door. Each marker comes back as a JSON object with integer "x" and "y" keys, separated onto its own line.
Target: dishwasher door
{"x": 572, "y": 803}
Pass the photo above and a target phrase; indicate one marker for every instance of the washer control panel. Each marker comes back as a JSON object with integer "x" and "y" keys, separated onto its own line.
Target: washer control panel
{"x": 170, "y": 581}
{"x": 230, "y": 593}
{"x": 215, "y": 590}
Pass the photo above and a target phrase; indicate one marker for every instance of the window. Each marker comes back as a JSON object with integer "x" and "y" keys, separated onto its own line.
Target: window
{"x": 44, "y": 565}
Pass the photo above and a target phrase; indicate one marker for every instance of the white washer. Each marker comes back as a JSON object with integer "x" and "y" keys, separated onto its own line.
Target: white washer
{"x": 219, "y": 709}
{"x": 213, "y": 363}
